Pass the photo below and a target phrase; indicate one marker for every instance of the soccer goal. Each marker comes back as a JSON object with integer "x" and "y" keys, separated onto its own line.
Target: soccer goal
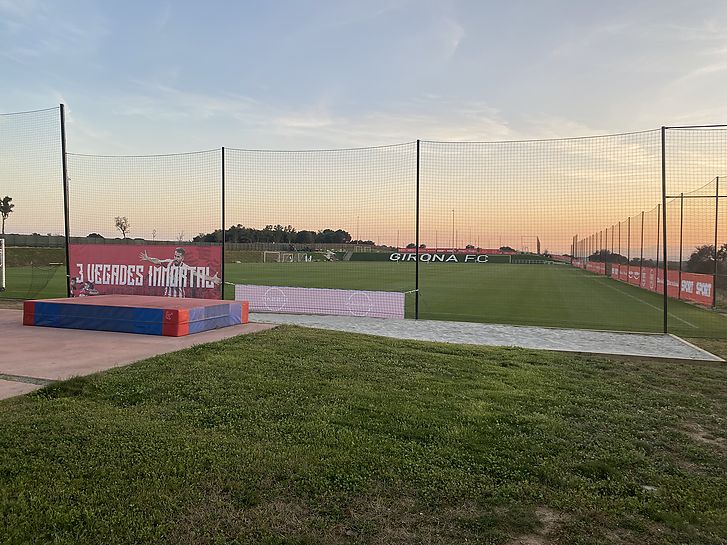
{"x": 286, "y": 257}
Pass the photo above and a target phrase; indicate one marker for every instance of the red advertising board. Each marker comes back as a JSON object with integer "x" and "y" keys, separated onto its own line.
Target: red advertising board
{"x": 597, "y": 268}
{"x": 131, "y": 269}
{"x": 693, "y": 286}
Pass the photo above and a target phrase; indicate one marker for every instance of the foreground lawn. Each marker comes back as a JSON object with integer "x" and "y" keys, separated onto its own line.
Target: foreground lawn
{"x": 298, "y": 436}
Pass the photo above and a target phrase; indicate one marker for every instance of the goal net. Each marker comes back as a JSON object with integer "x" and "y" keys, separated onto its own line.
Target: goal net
{"x": 286, "y": 257}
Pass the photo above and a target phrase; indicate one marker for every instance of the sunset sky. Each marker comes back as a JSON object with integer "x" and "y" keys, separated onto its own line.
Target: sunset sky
{"x": 143, "y": 78}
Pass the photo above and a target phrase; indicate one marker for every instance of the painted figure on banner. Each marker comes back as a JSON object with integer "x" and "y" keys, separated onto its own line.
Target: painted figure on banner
{"x": 180, "y": 275}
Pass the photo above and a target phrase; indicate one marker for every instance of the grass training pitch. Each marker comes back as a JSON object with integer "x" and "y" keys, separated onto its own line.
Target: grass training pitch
{"x": 541, "y": 295}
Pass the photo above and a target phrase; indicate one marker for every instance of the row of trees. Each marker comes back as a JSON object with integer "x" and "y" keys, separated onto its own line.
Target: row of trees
{"x": 700, "y": 261}
{"x": 280, "y": 234}
{"x": 468, "y": 247}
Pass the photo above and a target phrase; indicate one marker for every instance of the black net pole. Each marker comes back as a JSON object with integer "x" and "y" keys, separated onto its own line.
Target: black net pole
{"x": 613, "y": 234}
{"x": 222, "y": 265}
{"x": 658, "y": 234}
{"x": 641, "y": 258}
{"x": 663, "y": 212}
{"x": 416, "y": 263}
{"x": 66, "y": 213}
{"x": 716, "y": 216}
{"x": 628, "y": 244}
{"x": 681, "y": 241}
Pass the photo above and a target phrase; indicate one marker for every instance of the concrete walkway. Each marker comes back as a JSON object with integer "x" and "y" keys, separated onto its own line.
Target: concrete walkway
{"x": 540, "y": 338}
{"x": 33, "y": 356}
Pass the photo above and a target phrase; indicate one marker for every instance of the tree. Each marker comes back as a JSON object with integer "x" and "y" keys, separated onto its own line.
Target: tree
{"x": 5, "y": 209}
{"x": 94, "y": 235}
{"x": 702, "y": 260}
{"x": 122, "y": 224}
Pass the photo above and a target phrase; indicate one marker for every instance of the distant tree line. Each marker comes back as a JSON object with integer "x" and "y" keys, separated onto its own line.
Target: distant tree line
{"x": 280, "y": 234}
{"x": 700, "y": 261}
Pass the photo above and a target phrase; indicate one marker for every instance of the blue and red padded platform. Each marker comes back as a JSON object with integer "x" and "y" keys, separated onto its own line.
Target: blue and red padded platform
{"x": 136, "y": 314}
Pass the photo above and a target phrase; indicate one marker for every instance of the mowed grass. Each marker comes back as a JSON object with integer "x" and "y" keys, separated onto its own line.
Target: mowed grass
{"x": 298, "y": 436}
{"x": 542, "y": 295}
{"x": 40, "y": 282}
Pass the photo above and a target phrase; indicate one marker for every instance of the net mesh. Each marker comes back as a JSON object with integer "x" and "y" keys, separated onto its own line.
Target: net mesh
{"x": 696, "y": 161}
{"x": 146, "y": 225}
{"x": 504, "y": 198}
{"x": 566, "y": 232}
{"x": 345, "y": 211}
{"x": 31, "y": 174}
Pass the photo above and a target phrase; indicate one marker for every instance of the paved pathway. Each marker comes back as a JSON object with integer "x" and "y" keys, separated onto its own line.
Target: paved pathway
{"x": 568, "y": 340}
{"x": 33, "y": 356}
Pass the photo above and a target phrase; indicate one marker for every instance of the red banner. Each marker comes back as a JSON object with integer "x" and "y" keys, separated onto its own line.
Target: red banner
{"x": 597, "y": 268}
{"x": 694, "y": 287}
{"x": 131, "y": 269}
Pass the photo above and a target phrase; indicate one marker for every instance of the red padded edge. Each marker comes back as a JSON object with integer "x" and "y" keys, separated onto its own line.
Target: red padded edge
{"x": 176, "y": 322}
{"x": 245, "y": 312}
{"x": 28, "y": 312}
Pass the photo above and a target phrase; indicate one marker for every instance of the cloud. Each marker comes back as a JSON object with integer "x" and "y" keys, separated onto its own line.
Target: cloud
{"x": 164, "y": 17}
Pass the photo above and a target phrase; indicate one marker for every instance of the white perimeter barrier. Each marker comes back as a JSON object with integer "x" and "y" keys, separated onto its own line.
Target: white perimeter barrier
{"x": 374, "y": 304}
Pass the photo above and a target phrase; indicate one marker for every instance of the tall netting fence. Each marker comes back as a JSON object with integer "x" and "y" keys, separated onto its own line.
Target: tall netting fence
{"x": 31, "y": 203}
{"x": 320, "y": 231}
{"x": 565, "y": 233}
{"x": 140, "y": 224}
{"x": 696, "y": 184}
{"x": 527, "y": 230}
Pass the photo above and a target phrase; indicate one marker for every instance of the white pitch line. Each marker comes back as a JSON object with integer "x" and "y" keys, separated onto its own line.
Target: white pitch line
{"x": 647, "y": 304}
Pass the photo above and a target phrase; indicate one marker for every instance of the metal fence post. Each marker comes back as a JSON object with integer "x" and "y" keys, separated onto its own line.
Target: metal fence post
{"x": 658, "y": 237}
{"x": 628, "y": 245}
{"x": 681, "y": 241}
{"x": 222, "y": 291}
{"x": 641, "y": 258}
{"x": 663, "y": 212}
{"x": 416, "y": 270}
{"x": 619, "y": 241}
{"x": 716, "y": 217}
{"x": 66, "y": 212}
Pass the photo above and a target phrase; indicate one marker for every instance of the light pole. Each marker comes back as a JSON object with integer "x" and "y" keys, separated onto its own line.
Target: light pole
{"x": 453, "y": 229}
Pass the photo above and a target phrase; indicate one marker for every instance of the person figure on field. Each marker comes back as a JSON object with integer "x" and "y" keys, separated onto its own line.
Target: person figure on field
{"x": 177, "y": 270}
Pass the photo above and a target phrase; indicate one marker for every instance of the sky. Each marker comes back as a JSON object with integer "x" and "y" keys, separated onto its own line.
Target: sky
{"x": 142, "y": 78}
{"x": 161, "y": 77}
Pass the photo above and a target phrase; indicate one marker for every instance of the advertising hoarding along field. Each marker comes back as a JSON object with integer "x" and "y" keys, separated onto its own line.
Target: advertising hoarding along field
{"x": 694, "y": 287}
{"x": 161, "y": 270}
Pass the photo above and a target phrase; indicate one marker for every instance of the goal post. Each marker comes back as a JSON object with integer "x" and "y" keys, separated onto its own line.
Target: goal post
{"x": 286, "y": 257}
{"x": 271, "y": 257}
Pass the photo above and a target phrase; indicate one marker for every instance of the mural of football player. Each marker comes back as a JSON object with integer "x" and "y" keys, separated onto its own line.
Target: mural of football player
{"x": 177, "y": 271}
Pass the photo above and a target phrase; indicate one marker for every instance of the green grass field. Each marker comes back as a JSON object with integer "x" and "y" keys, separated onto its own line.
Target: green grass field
{"x": 297, "y": 436}
{"x": 542, "y": 295}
